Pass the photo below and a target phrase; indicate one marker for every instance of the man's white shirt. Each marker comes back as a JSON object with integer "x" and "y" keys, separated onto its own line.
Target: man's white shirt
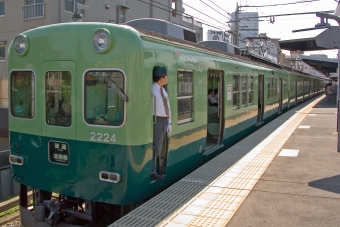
{"x": 160, "y": 109}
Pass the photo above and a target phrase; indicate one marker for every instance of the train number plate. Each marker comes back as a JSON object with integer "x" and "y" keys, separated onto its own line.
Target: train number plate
{"x": 58, "y": 152}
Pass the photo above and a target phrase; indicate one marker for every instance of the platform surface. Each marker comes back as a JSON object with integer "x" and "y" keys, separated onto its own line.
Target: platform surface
{"x": 284, "y": 174}
{"x": 302, "y": 190}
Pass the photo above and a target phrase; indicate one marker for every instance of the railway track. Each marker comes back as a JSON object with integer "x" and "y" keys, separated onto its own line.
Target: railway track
{"x": 13, "y": 219}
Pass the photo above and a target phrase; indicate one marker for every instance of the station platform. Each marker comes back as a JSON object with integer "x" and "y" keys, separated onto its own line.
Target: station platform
{"x": 284, "y": 174}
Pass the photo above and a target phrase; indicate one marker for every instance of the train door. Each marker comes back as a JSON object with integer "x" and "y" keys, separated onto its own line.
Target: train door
{"x": 59, "y": 124}
{"x": 215, "y": 110}
{"x": 296, "y": 90}
{"x": 303, "y": 90}
{"x": 288, "y": 89}
{"x": 260, "y": 98}
{"x": 280, "y": 95}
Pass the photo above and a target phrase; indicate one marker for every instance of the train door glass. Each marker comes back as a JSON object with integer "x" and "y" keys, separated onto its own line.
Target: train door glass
{"x": 215, "y": 112}
{"x": 59, "y": 146}
{"x": 303, "y": 90}
{"x": 260, "y": 98}
{"x": 280, "y": 95}
{"x": 296, "y": 90}
{"x": 58, "y": 98}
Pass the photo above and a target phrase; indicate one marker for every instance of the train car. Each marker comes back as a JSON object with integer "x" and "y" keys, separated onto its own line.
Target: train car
{"x": 81, "y": 115}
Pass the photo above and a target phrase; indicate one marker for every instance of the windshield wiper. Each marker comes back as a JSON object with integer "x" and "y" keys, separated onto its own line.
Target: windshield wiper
{"x": 115, "y": 86}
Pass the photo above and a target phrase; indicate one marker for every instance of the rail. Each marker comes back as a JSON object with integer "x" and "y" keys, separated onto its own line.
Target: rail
{"x": 9, "y": 204}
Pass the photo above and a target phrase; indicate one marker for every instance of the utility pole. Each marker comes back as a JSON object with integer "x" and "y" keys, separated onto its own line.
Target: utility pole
{"x": 151, "y": 8}
{"x": 237, "y": 27}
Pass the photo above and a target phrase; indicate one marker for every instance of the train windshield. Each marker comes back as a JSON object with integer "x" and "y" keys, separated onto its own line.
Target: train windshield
{"x": 104, "y": 98}
{"x": 58, "y": 98}
{"x": 22, "y": 94}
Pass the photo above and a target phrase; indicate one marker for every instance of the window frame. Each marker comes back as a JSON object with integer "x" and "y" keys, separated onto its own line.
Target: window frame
{"x": 84, "y": 100}
{"x": 2, "y": 15}
{"x": 4, "y": 57}
{"x": 250, "y": 90}
{"x": 118, "y": 15}
{"x": 34, "y": 93}
{"x": 35, "y": 2}
{"x": 82, "y": 11}
{"x": 174, "y": 7}
{"x": 244, "y": 91}
{"x": 237, "y": 106}
{"x": 192, "y": 97}
{"x": 54, "y": 91}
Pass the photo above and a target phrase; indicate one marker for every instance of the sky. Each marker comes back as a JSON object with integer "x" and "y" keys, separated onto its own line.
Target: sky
{"x": 283, "y": 26}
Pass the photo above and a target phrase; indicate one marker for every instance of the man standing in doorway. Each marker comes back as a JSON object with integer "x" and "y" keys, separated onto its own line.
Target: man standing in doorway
{"x": 162, "y": 112}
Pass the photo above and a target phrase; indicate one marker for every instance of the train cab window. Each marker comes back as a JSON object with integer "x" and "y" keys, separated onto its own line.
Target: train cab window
{"x": 58, "y": 98}
{"x": 236, "y": 92}
{"x": 22, "y": 94}
{"x": 251, "y": 90}
{"x": 104, "y": 98}
{"x": 185, "y": 98}
{"x": 244, "y": 90}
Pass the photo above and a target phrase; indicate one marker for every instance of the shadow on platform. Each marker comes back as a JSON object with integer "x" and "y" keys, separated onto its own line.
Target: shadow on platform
{"x": 331, "y": 184}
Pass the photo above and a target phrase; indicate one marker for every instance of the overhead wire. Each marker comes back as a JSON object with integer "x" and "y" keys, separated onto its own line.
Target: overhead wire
{"x": 298, "y": 2}
{"x": 280, "y": 4}
{"x": 200, "y": 12}
{"x": 183, "y": 14}
{"x": 213, "y": 9}
{"x": 221, "y": 8}
{"x": 203, "y": 21}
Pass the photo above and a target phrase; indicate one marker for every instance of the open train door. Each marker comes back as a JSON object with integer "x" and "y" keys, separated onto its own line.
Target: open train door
{"x": 260, "y": 98}
{"x": 215, "y": 113}
{"x": 280, "y": 96}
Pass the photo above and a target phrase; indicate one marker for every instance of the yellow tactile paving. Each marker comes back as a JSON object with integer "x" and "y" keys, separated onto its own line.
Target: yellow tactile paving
{"x": 242, "y": 177}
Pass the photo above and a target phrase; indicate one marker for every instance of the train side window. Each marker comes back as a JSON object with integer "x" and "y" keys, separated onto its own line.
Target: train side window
{"x": 244, "y": 90}
{"x": 236, "y": 92}
{"x": 185, "y": 98}
{"x": 251, "y": 90}
{"x": 269, "y": 87}
{"x": 285, "y": 86}
{"x": 272, "y": 88}
{"x": 104, "y": 98}
{"x": 23, "y": 94}
{"x": 58, "y": 98}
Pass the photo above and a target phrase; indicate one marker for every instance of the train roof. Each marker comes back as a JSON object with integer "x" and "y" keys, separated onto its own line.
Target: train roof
{"x": 231, "y": 56}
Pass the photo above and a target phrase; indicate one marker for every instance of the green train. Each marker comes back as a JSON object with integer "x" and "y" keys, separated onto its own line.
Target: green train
{"x": 81, "y": 115}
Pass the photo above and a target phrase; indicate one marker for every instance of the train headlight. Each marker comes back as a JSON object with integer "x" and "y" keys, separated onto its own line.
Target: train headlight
{"x": 101, "y": 40}
{"x": 20, "y": 45}
{"x": 16, "y": 160}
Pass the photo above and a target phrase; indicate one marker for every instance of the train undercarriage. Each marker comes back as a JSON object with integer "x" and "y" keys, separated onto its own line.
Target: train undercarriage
{"x": 46, "y": 209}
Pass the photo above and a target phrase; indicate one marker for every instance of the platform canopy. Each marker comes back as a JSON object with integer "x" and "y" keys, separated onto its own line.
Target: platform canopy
{"x": 322, "y": 64}
{"x": 324, "y": 38}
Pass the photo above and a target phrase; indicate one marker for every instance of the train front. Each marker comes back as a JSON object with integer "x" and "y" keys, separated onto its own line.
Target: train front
{"x": 73, "y": 90}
